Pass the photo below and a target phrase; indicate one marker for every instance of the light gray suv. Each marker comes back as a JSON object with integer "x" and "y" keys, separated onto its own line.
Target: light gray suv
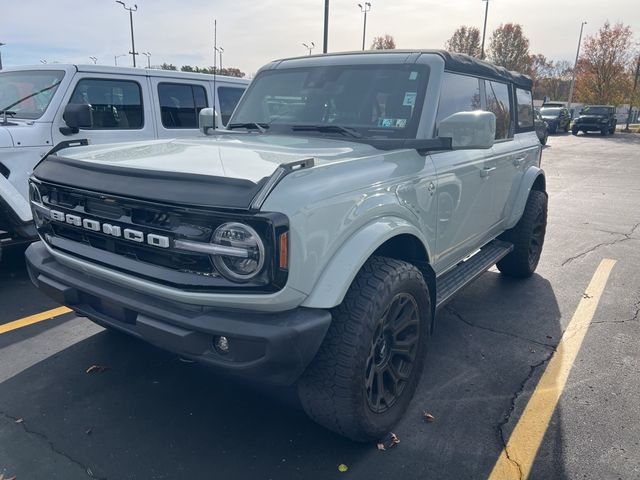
{"x": 314, "y": 239}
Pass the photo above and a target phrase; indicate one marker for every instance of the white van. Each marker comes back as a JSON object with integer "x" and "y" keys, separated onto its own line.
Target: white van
{"x": 127, "y": 104}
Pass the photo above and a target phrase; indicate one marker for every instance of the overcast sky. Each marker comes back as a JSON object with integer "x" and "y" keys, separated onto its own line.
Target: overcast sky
{"x": 255, "y": 32}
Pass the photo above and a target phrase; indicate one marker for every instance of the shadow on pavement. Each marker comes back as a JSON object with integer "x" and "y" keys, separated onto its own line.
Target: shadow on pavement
{"x": 149, "y": 415}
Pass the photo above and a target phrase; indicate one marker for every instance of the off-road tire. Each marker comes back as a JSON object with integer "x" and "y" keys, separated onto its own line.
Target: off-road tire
{"x": 333, "y": 389}
{"x": 574, "y": 131}
{"x": 544, "y": 139}
{"x": 527, "y": 238}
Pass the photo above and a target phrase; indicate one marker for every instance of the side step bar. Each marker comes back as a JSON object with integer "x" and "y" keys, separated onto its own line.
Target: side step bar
{"x": 467, "y": 271}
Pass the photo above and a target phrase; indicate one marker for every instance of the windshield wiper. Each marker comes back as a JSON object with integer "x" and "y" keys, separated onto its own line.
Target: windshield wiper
{"x": 262, "y": 127}
{"x": 350, "y": 132}
{"x": 30, "y": 95}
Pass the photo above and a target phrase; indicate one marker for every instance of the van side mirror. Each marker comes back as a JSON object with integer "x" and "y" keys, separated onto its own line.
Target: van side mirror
{"x": 207, "y": 120}
{"x": 469, "y": 130}
{"x": 76, "y": 116}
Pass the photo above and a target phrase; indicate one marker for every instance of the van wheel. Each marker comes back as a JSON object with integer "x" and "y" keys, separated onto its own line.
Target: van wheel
{"x": 369, "y": 365}
{"x": 527, "y": 238}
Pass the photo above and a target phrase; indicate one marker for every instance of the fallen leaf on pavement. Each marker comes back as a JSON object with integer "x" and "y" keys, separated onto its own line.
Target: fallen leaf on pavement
{"x": 18, "y": 420}
{"x": 342, "y": 467}
{"x": 390, "y": 441}
{"x": 88, "y": 431}
{"x": 380, "y": 447}
{"x": 428, "y": 417}
{"x": 96, "y": 369}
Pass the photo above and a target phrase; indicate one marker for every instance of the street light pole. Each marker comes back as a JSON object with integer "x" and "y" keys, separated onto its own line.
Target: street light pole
{"x": 220, "y": 52}
{"x": 366, "y": 8}
{"x": 309, "y": 47}
{"x": 148, "y": 55}
{"x": 484, "y": 29}
{"x": 633, "y": 94}
{"x": 94, "y": 59}
{"x": 326, "y": 27}
{"x": 1, "y": 45}
{"x": 116, "y": 57}
{"x": 133, "y": 43}
{"x": 575, "y": 64}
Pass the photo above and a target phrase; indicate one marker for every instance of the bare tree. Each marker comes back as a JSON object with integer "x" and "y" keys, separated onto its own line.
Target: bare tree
{"x": 509, "y": 48}
{"x": 385, "y": 42}
{"x": 602, "y": 70}
{"x": 465, "y": 40}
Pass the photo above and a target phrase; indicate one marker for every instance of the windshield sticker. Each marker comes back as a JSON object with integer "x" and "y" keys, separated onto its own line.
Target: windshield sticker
{"x": 413, "y": 75}
{"x": 409, "y": 99}
{"x": 392, "y": 122}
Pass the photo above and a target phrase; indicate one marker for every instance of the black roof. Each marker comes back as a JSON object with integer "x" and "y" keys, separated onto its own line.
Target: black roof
{"x": 454, "y": 62}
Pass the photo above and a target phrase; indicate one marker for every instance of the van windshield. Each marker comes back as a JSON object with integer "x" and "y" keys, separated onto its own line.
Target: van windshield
{"x": 368, "y": 101}
{"x": 28, "y": 93}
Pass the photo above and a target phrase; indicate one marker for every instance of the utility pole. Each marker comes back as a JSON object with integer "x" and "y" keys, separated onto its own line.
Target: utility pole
{"x": 215, "y": 45}
{"x": 133, "y": 43}
{"x": 575, "y": 65}
{"x": 326, "y": 27}
{"x": 484, "y": 29}
{"x": 366, "y": 8}
{"x": 633, "y": 94}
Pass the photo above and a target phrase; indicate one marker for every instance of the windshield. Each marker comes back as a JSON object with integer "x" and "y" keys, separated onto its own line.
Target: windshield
{"x": 372, "y": 101}
{"x": 28, "y": 93}
{"x": 550, "y": 111}
{"x": 594, "y": 111}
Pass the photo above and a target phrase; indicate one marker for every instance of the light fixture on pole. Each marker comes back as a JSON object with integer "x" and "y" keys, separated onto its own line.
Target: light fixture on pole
{"x": 1, "y": 45}
{"x": 220, "y": 51}
{"x": 484, "y": 29}
{"x": 148, "y": 55}
{"x": 133, "y": 43}
{"x": 309, "y": 46}
{"x": 364, "y": 8}
{"x": 575, "y": 65}
{"x": 94, "y": 59}
{"x": 44, "y": 62}
{"x": 116, "y": 57}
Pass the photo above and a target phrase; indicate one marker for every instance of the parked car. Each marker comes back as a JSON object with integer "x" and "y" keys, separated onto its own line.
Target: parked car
{"x": 314, "y": 239}
{"x": 557, "y": 118}
{"x": 127, "y": 104}
{"x": 601, "y": 118}
{"x": 542, "y": 128}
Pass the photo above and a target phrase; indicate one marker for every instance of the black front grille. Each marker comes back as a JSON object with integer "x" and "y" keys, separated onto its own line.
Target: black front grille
{"x": 141, "y": 259}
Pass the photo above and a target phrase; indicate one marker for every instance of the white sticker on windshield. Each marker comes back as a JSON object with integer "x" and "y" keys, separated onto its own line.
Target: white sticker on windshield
{"x": 401, "y": 122}
{"x": 413, "y": 75}
{"x": 409, "y": 99}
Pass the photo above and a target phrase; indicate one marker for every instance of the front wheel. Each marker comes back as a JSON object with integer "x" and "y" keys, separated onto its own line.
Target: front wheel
{"x": 527, "y": 238}
{"x": 369, "y": 365}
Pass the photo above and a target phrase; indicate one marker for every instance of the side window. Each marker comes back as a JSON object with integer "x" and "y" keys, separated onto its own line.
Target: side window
{"x": 525, "y": 109}
{"x": 459, "y": 93}
{"x": 228, "y": 98}
{"x": 498, "y": 102}
{"x": 180, "y": 104}
{"x": 116, "y": 104}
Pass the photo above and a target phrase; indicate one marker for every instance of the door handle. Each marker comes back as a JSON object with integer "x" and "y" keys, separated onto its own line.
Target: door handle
{"x": 486, "y": 171}
{"x": 518, "y": 160}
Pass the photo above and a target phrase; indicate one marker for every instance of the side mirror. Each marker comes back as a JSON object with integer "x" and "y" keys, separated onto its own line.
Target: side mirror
{"x": 207, "y": 120}
{"x": 469, "y": 130}
{"x": 76, "y": 116}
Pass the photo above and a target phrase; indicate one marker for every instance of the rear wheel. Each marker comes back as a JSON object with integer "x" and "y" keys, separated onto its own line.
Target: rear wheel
{"x": 368, "y": 367}
{"x": 527, "y": 238}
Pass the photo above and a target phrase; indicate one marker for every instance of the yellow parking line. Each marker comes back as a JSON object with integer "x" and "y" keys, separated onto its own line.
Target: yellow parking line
{"x": 517, "y": 458}
{"x": 30, "y": 320}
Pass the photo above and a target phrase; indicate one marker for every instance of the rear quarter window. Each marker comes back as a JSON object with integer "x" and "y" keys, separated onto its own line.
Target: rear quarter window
{"x": 525, "y": 110}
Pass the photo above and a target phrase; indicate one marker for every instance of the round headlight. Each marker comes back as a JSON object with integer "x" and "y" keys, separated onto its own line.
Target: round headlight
{"x": 245, "y": 239}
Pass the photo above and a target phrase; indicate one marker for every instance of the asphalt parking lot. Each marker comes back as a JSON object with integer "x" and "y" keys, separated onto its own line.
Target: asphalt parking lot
{"x": 145, "y": 414}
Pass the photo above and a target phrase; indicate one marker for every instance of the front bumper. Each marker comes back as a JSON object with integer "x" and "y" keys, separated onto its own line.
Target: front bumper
{"x": 271, "y": 347}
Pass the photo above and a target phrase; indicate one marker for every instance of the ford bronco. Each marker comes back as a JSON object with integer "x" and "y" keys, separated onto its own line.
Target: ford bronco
{"x": 314, "y": 239}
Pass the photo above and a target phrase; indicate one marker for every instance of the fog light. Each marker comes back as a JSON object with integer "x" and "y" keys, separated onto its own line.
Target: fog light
{"x": 221, "y": 344}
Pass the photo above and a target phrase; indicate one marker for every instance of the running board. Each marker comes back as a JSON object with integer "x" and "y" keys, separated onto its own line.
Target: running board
{"x": 467, "y": 271}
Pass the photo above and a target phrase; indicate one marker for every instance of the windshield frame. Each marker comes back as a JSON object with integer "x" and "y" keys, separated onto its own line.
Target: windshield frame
{"x": 367, "y": 134}
{"x": 33, "y": 115}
